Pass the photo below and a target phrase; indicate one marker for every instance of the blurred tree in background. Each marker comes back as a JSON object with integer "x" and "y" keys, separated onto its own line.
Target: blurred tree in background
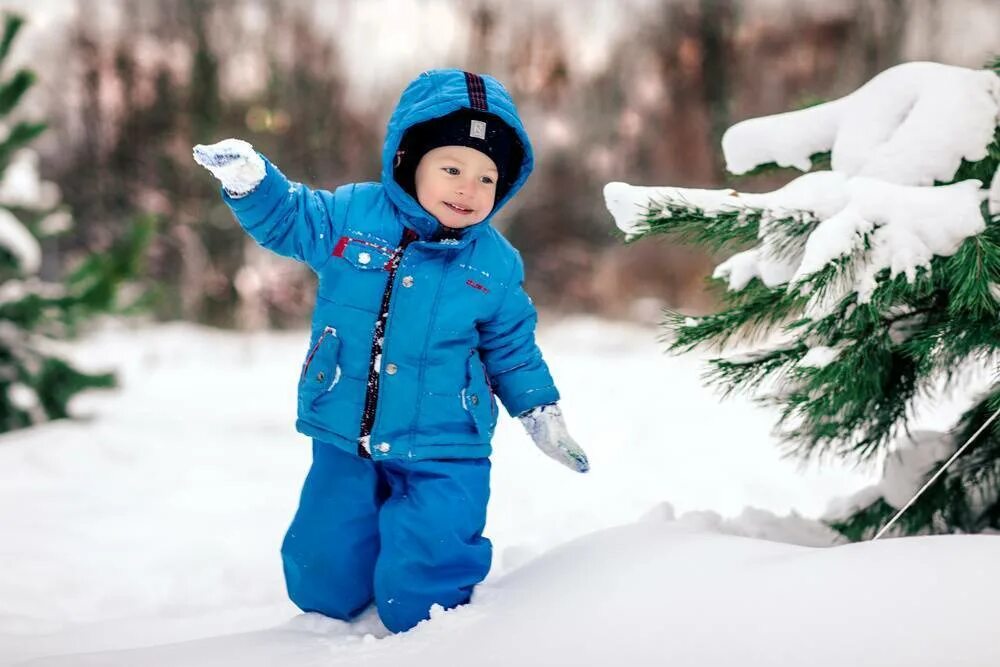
{"x": 143, "y": 81}
{"x": 36, "y": 384}
{"x": 152, "y": 89}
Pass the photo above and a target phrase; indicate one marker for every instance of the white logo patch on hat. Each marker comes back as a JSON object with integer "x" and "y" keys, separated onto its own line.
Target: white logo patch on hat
{"x": 478, "y": 130}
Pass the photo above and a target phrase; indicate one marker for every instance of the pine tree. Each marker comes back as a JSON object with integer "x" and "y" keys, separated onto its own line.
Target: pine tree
{"x": 861, "y": 288}
{"x": 36, "y": 384}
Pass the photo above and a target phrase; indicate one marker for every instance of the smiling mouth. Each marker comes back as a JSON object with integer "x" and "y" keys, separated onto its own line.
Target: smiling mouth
{"x": 458, "y": 209}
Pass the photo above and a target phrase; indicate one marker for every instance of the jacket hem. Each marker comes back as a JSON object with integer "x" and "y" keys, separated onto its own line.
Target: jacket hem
{"x": 416, "y": 452}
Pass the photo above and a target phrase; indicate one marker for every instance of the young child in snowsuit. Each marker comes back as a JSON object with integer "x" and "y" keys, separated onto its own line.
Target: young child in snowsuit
{"x": 420, "y": 322}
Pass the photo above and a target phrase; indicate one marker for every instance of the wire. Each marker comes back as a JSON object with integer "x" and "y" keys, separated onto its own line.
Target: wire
{"x": 936, "y": 475}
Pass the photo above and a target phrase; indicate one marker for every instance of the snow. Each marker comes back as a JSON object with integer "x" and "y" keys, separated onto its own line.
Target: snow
{"x": 819, "y": 356}
{"x": 148, "y": 533}
{"x": 235, "y": 163}
{"x": 666, "y": 594}
{"x": 914, "y": 459}
{"x": 889, "y": 129}
{"x": 22, "y": 396}
{"x": 158, "y": 518}
{"x": 21, "y": 185}
{"x": 890, "y": 140}
{"x": 909, "y": 225}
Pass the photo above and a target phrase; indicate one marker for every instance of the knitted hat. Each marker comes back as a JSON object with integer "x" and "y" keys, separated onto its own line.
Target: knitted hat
{"x": 482, "y": 131}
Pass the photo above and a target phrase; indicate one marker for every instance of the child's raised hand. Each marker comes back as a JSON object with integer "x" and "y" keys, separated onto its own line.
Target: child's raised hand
{"x": 234, "y": 162}
{"x": 546, "y": 427}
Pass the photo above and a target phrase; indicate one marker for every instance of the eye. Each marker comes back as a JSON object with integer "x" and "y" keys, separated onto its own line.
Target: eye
{"x": 451, "y": 171}
{"x": 488, "y": 180}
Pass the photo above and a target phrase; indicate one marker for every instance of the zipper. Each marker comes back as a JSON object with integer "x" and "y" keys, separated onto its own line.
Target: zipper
{"x": 378, "y": 340}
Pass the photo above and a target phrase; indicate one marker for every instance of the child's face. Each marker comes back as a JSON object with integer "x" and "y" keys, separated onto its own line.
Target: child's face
{"x": 457, "y": 185}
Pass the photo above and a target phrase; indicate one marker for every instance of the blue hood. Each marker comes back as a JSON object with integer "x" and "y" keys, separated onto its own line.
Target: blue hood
{"x": 437, "y": 93}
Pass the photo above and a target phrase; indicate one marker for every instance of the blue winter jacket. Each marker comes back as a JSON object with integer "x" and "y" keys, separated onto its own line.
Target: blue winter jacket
{"x": 459, "y": 328}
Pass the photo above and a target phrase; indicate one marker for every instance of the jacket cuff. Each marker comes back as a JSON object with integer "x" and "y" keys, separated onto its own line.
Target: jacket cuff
{"x": 530, "y": 400}
{"x": 260, "y": 200}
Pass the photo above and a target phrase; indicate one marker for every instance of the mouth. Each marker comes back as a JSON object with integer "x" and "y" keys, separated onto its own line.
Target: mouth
{"x": 458, "y": 209}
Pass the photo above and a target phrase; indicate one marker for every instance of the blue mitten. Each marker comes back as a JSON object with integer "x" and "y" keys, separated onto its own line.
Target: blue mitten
{"x": 546, "y": 427}
{"x": 234, "y": 162}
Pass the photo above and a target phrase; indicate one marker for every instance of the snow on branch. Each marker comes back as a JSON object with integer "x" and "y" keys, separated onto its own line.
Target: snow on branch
{"x": 912, "y": 124}
{"x": 908, "y": 224}
{"x": 877, "y": 209}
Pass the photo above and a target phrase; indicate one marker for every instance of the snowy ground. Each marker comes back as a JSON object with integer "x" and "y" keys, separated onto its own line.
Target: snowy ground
{"x": 156, "y": 523}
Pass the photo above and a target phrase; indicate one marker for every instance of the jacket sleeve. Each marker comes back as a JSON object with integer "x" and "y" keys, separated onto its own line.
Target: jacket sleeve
{"x": 288, "y": 218}
{"x": 513, "y": 361}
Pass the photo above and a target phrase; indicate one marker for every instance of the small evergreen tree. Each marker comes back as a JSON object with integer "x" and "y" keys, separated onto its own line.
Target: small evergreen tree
{"x": 35, "y": 383}
{"x": 862, "y": 286}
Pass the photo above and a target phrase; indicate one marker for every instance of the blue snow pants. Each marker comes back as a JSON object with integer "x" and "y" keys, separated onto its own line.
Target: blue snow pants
{"x": 404, "y": 534}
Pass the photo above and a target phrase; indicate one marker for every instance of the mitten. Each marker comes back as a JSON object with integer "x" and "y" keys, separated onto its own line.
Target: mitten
{"x": 234, "y": 162}
{"x": 546, "y": 427}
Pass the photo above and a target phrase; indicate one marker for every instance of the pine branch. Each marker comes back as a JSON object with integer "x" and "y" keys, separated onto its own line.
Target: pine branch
{"x": 819, "y": 162}
{"x": 973, "y": 274}
{"x": 690, "y": 224}
{"x": 850, "y": 407}
{"x": 12, "y": 25}
{"x": 866, "y": 522}
{"x": 12, "y": 91}
{"x": 58, "y": 382}
{"x": 747, "y": 373}
{"x": 966, "y": 498}
{"x": 20, "y": 135}
{"x": 942, "y": 508}
{"x": 749, "y": 315}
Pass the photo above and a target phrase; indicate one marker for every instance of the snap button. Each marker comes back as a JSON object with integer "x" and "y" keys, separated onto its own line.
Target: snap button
{"x": 320, "y": 376}
{"x": 474, "y": 399}
{"x": 407, "y": 281}
{"x": 383, "y": 447}
{"x": 364, "y": 258}
{"x": 391, "y": 369}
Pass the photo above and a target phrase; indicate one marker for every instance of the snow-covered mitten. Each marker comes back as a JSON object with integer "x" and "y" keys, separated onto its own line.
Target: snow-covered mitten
{"x": 546, "y": 427}
{"x": 234, "y": 162}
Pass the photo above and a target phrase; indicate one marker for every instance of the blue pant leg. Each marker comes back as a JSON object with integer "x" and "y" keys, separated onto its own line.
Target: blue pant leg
{"x": 433, "y": 549}
{"x": 330, "y": 549}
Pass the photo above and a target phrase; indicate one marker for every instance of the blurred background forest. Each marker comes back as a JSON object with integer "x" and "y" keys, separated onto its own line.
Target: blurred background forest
{"x": 632, "y": 90}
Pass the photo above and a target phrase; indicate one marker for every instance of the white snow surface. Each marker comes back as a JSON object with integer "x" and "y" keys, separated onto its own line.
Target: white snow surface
{"x": 148, "y": 533}
{"x": 911, "y": 124}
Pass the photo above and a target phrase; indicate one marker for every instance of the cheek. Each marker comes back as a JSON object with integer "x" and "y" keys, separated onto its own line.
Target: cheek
{"x": 489, "y": 198}
{"x": 427, "y": 191}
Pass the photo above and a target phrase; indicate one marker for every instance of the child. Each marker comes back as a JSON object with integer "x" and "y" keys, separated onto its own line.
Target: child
{"x": 420, "y": 320}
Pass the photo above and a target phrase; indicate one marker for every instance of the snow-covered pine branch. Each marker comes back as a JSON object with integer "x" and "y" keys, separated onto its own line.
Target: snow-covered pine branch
{"x": 860, "y": 287}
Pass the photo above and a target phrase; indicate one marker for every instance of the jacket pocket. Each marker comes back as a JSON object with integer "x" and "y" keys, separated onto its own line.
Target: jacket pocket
{"x": 364, "y": 255}
{"x": 477, "y": 397}
{"x": 320, "y": 371}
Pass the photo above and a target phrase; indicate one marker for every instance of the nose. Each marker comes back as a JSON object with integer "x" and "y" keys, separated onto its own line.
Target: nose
{"x": 464, "y": 186}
